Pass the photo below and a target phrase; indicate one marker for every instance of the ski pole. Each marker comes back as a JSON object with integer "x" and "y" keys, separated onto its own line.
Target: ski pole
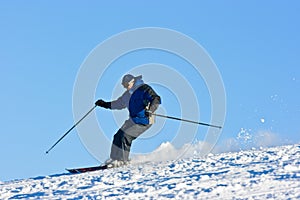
{"x": 185, "y": 120}
{"x": 71, "y": 128}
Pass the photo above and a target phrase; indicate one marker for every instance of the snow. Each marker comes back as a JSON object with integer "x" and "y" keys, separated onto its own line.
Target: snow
{"x": 266, "y": 173}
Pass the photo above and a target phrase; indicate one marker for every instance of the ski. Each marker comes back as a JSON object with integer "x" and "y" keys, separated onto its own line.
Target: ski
{"x": 88, "y": 169}
{"x": 95, "y": 168}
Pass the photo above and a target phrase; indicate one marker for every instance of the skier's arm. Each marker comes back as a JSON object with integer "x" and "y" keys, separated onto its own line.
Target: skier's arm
{"x": 154, "y": 100}
{"x": 118, "y": 104}
{"x": 155, "y": 103}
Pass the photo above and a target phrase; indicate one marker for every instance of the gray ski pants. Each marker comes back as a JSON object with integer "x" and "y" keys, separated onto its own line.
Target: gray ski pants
{"x": 123, "y": 139}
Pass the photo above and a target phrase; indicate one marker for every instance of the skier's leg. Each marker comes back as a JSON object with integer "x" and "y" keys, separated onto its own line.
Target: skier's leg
{"x": 130, "y": 134}
{"x": 116, "y": 152}
{"x": 123, "y": 139}
{"x": 117, "y": 145}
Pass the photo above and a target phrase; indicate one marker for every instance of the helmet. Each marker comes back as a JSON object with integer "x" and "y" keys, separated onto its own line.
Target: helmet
{"x": 126, "y": 79}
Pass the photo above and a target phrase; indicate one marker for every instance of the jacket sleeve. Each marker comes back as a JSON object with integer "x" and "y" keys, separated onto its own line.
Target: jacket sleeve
{"x": 153, "y": 99}
{"x": 121, "y": 102}
{"x": 155, "y": 103}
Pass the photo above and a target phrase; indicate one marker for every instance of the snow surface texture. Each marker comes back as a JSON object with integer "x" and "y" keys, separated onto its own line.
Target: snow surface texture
{"x": 270, "y": 173}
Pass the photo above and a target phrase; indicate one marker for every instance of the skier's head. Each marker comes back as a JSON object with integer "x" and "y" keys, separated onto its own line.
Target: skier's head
{"x": 128, "y": 81}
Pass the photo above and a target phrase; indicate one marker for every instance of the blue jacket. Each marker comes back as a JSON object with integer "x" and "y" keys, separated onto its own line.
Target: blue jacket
{"x": 136, "y": 100}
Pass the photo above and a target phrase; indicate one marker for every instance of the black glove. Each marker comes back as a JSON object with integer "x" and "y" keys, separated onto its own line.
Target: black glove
{"x": 148, "y": 113}
{"x": 103, "y": 104}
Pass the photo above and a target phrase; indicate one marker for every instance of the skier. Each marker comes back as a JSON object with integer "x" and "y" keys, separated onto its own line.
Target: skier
{"x": 141, "y": 101}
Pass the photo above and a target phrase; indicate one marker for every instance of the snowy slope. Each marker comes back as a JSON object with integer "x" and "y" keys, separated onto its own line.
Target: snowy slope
{"x": 271, "y": 173}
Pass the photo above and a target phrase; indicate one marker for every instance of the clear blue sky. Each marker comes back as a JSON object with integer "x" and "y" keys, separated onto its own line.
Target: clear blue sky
{"x": 255, "y": 45}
